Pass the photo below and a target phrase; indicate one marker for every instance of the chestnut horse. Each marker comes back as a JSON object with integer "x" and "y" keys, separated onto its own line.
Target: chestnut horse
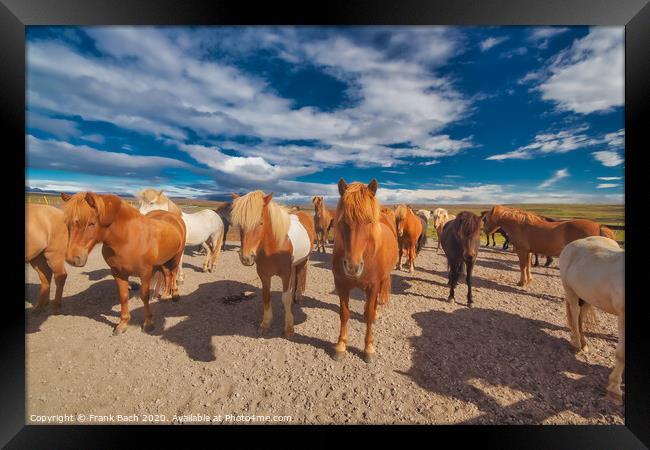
{"x": 532, "y": 233}
{"x": 461, "y": 239}
{"x": 134, "y": 244}
{"x": 409, "y": 233}
{"x": 279, "y": 244}
{"x": 46, "y": 242}
{"x": 365, "y": 252}
{"x": 323, "y": 220}
{"x": 592, "y": 271}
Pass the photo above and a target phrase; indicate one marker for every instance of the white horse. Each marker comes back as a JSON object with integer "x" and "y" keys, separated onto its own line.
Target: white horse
{"x": 424, "y": 212}
{"x": 593, "y": 274}
{"x": 204, "y": 227}
{"x": 440, "y": 218}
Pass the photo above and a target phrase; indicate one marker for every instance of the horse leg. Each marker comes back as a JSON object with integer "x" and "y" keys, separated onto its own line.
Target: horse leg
{"x": 145, "y": 283}
{"x": 529, "y": 276}
{"x": 573, "y": 317}
{"x": 524, "y": 260}
{"x": 454, "y": 269}
{"x": 615, "y": 378}
{"x": 399, "y": 259}
{"x": 344, "y": 315}
{"x": 536, "y": 263}
{"x": 45, "y": 276}
{"x": 181, "y": 274}
{"x": 57, "y": 264}
{"x": 370, "y": 313}
{"x": 208, "y": 253}
{"x": 288, "y": 290}
{"x": 549, "y": 261}
{"x": 468, "y": 279}
{"x": 166, "y": 295}
{"x": 301, "y": 281}
{"x": 175, "y": 267}
{"x": 412, "y": 259}
{"x": 266, "y": 301}
{"x": 122, "y": 282}
{"x": 216, "y": 250}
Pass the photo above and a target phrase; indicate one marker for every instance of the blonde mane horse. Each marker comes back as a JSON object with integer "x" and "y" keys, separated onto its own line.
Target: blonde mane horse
{"x": 592, "y": 271}
{"x": 46, "y": 243}
{"x": 204, "y": 227}
{"x": 440, "y": 218}
{"x": 278, "y": 242}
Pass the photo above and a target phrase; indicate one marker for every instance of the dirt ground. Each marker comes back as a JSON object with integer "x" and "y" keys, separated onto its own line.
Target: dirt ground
{"x": 505, "y": 361}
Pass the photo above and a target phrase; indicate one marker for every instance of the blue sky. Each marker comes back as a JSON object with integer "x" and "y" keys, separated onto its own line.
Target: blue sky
{"x": 436, "y": 114}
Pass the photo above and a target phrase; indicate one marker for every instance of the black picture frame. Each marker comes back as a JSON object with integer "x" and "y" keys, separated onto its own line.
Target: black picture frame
{"x": 633, "y": 14}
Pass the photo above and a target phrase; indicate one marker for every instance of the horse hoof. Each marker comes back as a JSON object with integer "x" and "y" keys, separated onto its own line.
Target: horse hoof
{"x": 134, "y": 286}
{"x": 338, "y": 356}
{"x": 450, "y": 299}
{"x": 117, "y": 330}
{"x": 263, "y": 330}
{"x": 165, "y": 297}
{"x": 469, "y": 305}
{"x": 369, "y": 358}
{"x": 176, "y": 298}
{"x": 289, "y": 334}
{"x": 148, "y": 327}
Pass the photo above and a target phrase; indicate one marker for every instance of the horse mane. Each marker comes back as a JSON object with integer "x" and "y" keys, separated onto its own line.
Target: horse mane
{"x": 518, "y": 215}
{"x": 467, "y": 224}
{"x": 247, "y": 212}
{"x": 401, "y": 211}
{"x": 76, "y": 208}
{"x": 358, "y": 205}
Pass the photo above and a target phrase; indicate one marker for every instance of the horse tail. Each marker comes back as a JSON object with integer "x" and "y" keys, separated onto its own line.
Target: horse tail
{"x": 157, "y": 282}
{"x": 607, "y": 232}
{"x": 588, "y": 316}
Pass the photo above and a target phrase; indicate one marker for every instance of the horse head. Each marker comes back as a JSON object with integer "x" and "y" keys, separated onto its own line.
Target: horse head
{"x": 87, "y": 216}
{"x": 151, "y": 200}
{"x": 358, "y": 223}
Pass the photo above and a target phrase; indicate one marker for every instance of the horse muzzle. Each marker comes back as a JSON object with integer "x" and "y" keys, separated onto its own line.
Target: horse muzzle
{"x": 248, "y": 260}
{"x": 351, "y": 270}
{"x": 79, "y": 260}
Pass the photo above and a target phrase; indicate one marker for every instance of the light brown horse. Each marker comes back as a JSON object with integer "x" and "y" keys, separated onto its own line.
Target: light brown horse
{"x": 46, "y": 242}
{"x": 531, "y": 233}
{"x": 323, "y": 221}
{"x": 279, "y": 244}
{"x": 134, "y": 244}
{"x": 440, "y": 217}
{"x": 365, "y": 252}
{"x": 409, "y": 230}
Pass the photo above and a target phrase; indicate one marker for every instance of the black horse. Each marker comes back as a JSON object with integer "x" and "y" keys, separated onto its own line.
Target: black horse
{"x": 422, "y": 240}
{"x": 224, "y": 213}
{"x": 461, "y": 239}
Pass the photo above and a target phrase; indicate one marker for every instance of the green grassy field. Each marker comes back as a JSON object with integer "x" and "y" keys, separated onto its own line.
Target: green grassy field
{"x": 605, "y": 214}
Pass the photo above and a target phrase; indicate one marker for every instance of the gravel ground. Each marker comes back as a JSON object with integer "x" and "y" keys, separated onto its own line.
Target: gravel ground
{"x": 505, "y": 361}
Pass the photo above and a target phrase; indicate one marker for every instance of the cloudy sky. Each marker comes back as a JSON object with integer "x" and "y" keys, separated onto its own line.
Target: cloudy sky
{"x": 436, "y": 114}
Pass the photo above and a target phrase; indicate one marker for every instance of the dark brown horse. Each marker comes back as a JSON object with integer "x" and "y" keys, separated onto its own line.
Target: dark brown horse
{"x": 134, "y": 244}
{"x": 461, "y": 239}
{"x": 365, "y": 252}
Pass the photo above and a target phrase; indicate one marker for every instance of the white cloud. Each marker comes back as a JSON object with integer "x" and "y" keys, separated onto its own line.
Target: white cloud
{"x": 608, "y": 158}
{"x": 491, "y": 42}
{"x": 610, "y": 178}
{"x": 607, "y": 185}
{"x": 541, "y": 33}
{"x": 96, "y": 138}
{"x": 557, "y": 176}
{"x": 61, "y": 128}
{"x": 588, "y": 77}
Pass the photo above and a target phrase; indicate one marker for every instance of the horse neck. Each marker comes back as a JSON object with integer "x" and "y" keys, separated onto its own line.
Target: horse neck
{"x": 173, "y": 207}
{"x": 122, "y": 226}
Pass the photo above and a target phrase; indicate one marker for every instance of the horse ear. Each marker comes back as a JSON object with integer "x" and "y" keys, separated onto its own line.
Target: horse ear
{"x": 268, "y": 198}
{"x": 65, "y": 196}
{"x": 233, "y": 195}
{"x": 373, "y": 185}
{"x": 159, "y": 193}
{"x": 313, "y": 200}
{"x": 343, "y": 186}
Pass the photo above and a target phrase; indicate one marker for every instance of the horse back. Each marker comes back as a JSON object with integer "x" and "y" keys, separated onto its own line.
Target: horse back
{"x": 169, "y": 226}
